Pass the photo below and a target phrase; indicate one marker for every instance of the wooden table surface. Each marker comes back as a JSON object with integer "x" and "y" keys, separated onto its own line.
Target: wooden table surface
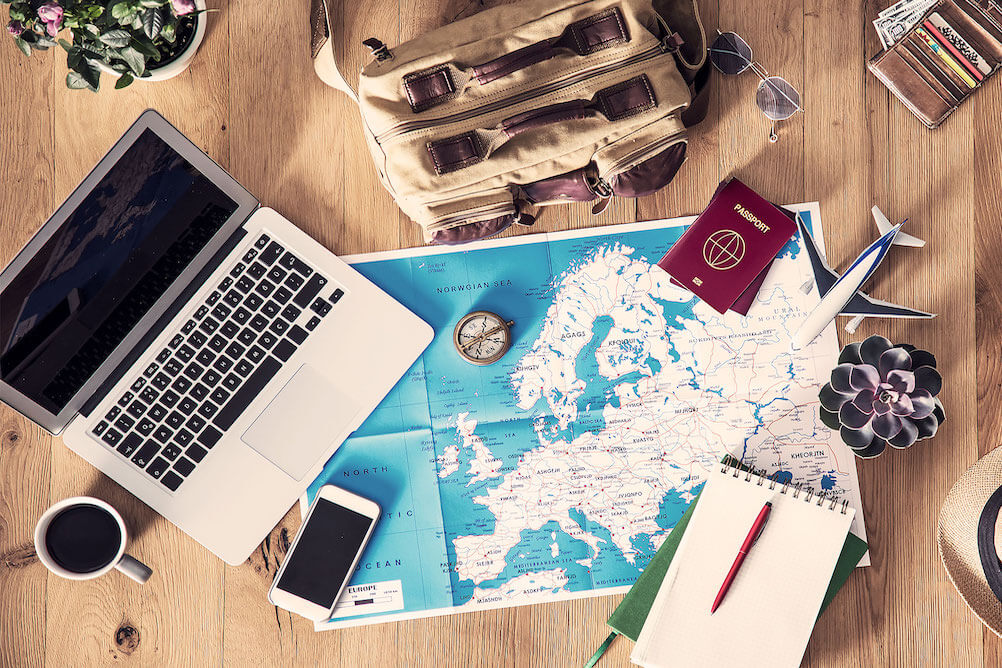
{"x": 251, "y": 101}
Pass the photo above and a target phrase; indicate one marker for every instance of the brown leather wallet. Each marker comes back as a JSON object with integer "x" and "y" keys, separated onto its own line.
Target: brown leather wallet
{"x": 970, "y": 36}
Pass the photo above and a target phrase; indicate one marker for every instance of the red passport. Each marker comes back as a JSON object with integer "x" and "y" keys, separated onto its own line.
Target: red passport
{"x": 728, "y": 245}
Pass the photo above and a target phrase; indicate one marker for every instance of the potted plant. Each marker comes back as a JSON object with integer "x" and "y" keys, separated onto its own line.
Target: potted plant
{"x": 151, "y": 40}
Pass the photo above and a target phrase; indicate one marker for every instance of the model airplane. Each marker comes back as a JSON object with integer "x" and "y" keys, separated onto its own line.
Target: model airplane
{"x": 841, "y": 295}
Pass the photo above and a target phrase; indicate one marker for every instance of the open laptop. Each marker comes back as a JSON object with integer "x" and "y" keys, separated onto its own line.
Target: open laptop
{"x": 197, "y": 348}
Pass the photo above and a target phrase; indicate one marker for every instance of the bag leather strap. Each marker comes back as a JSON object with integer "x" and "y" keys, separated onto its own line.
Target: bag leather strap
{"x": 690, "y": 55}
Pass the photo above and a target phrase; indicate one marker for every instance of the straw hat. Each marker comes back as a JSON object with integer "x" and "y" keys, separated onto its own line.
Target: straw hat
{"x": 970, "y": 538}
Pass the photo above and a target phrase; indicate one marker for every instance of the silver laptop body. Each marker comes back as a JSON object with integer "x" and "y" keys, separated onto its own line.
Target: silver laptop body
{"x": 195, "y": 347}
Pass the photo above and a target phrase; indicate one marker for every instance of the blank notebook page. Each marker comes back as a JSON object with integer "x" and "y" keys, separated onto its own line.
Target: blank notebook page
{"x": 768, "y": 614}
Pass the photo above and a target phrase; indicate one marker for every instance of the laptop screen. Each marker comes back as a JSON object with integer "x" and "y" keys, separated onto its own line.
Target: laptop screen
{"x": 93, "y": 280}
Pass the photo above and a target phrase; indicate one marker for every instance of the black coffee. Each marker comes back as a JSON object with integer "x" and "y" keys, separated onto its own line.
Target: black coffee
{"x": 83, "y": 538}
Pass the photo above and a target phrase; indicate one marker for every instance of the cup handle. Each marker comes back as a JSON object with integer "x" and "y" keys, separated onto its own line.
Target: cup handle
{"x": 134, "y": 568}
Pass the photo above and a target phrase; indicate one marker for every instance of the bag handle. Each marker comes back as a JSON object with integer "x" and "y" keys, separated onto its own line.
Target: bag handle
{"x": 690, "y": 53}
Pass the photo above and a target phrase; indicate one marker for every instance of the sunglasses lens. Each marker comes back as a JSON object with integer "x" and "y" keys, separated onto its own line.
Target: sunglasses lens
{"x": 730, "y": 54}
{"x": 777, "y": 98}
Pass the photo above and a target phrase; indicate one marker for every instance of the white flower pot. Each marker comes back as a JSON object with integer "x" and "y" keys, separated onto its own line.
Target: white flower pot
{"x": 179, "y": 64}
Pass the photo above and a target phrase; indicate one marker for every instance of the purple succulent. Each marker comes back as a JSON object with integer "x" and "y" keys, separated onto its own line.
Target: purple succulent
{"x": 15, "y": 28}
{"x": 182, "y": 7}
{"x": 52, "y": 15}
{"x": 883, "y": 394}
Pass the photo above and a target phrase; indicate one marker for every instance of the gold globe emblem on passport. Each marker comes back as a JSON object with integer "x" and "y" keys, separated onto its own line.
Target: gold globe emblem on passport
{"x": 723, "y": 250}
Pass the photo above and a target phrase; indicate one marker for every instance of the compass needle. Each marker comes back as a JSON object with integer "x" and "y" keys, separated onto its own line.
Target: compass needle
{"x": 482, "y": 337}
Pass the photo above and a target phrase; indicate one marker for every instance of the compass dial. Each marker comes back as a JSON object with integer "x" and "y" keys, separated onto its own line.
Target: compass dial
{"x": 482, "y": 337}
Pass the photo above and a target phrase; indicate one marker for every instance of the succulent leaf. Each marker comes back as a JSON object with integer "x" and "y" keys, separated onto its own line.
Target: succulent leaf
{"x": 901, "y": 380}
{"x": 857, "y": 438}
{"x": 852, "y": 417}
{"x": 929, "y": 379}
{"x": 872, "y": 348}
{"x": 923, "y": 404}
{"x": 939, "y": 411}
{"x": 904, "y": 438}
{"x": 850, "y": 354}
{"x": 927, "y": 426}
{"x": 923, "y": 358}
{"x": 831, "y": 399}
{"x": 864, "y": 377}
{"x": 895, "y": 358}
{"x": 840, "y": 378}
{"x": 829, "y": 418}
{"x": 887, "y": 425}
{"x": 881, "y": 407}
{"x": 903, "y": 406}
{"x": 864, "y": 401}
{"x": 875, "y": 448}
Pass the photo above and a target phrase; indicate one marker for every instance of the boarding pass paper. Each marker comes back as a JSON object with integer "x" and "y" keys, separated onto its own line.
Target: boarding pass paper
{"x": 557, "y": 472}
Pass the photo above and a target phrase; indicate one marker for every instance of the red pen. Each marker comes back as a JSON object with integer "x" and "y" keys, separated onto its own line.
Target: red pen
{"x": 753, "y": 534}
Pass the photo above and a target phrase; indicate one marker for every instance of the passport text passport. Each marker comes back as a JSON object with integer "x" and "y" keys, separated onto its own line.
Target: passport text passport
{"x": 728, "y": 245}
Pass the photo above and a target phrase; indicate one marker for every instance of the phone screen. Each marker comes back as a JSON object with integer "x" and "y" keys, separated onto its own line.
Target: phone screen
{"x": 324, "y": 553}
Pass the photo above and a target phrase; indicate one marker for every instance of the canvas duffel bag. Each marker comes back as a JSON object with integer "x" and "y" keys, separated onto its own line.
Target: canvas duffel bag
{"x": 473, "y": 125}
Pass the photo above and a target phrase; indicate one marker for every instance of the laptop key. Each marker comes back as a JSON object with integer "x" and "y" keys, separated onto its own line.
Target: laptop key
{"x": 145, "y": 427}
{"x": 164, "y": 355}
{"x": 211, "y": 378}
{"x": 235, "y": 350}
{"x": 298, "y": 334}
{"x": 231, "y": 382}
{"x": 290, "y": 261}
{"x": 130, "y": 445}
{"x": 185, "y": 353}
{"x": 197, "y": 339}
{"x": 241, "y": 316}
{"x": 195, "y": 423}
{"x": 169, "y": 398}
{"x": 145, "y": 454}
{"x": 284, "y": 350}
{"x": 271, "y": 309}
{"x": 225, "y": 285}
{"x": 181, "y": 384}
{"x": 136, "y": 408}
{"x": 253, "y": 301}
{"x": 264, "y": 288}
{"x": 187, "y": 406}
{"x": 138, "y": 384}
{"x": 246, "y": 336}
{"x": 160, "y": 381}
{"x": 219, "y": 395}
{"x": 188, "y": 327}
{"x": 267, "y": 340}
{"x": 162, "y": 434}
{"x": 151, "y": 369}
{"x": 174, "y": 420}
{"x": 99, "y": 428}
{"x": 157, "y": 467}
{"x": 207, "y": 410}
{"x": 184, "y": 466}
{"x": 112, "y": 437}
{"x": 230, "y": 329}
{"x": 251, "y": 388}
{"x": 237, "y": 269}
{"x": 201, "y": 312}
{"x": 291, "y": 312}
{"x": 157, "y": 413}
{"x": 209, "y": 437}
{"x": 213, "y": 298}
{"x": 255, "y": 354}
{"x": 209, "y": 325}
{"x": 336, "y": 296}
{"x": 196, "y": 452}
{"x": 223, "y": 364}
{"x": 199, "y": 392}
{"x": 183, "y": 437}
{"x": 113, "y": 413}
{"x": 271, "y": 253}
{"x": 176, "y": 341}
{"x": 205, "y": 357}
{"x": 258, "y": 322}
{"x": 233, "y": 298}
{"x": 250, "y": 255}
{"x": 309, "y": 291}
{"x": 320, "y": 307}
{"x": 245, "y": 284}
{"x": 194, "y": 370}
{"x": 217, "y": 343}
{"x": 149, "y": 395}
{"x": 277, "y": 274}
{"x": 278, "y": 326}
{"x": 312, "y": 324}
{"x": 294, "y": 281}
{"x": 282, "y": 295}
{"x": 173, "y": 367}
{"x": 171, "y": 451}
{"x": 244, "y": 367}
{"x": 256, "y": 270}
{"x": 125, "y": 399}
{"x": 171, "y": 481}
{"x": 262, "y": 241}
{"x": 221, "y": 311}
{"x": 124, "y": 423}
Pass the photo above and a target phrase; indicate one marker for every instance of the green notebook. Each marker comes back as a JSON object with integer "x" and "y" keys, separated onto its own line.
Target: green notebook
{"x": 628, "y": 618}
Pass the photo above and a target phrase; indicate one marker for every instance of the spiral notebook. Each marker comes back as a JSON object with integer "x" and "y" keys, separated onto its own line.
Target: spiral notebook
{"x": 769, "y": 612}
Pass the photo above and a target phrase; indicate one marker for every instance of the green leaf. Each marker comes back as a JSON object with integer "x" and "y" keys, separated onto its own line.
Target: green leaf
{"x": 124, "y": 81}
{"x": 66, "y": 45}
{"x": 135, "y": 60}
{"x": 16, "y": 14}
{"x": 93, "y": 29}
{"x": 144, "y": 46}
{"x": 151, "y": 3}
{"x": 116, "y": 38}
{"x": 153, "y": 22}
{"x": 168, "y": 33}
{"x": 75, "y": 81}
{"x": 21, "y": 44}
{"x": 91, "y": 73}
{"x": 120, "y": 10}
{"x": 45, "y": 41}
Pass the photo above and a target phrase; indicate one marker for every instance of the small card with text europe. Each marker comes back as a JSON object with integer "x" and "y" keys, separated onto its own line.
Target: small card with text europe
{"x": 728, "y": 245}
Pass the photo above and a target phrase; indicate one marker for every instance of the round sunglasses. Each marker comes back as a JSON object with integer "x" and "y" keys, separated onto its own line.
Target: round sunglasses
{"x": 776, "y": 98}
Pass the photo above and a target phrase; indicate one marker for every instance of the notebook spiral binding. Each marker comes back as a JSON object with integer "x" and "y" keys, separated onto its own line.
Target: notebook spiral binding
{"x": 736, "y": 468}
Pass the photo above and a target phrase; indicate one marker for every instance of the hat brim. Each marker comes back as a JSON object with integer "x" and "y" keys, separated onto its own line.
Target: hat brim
{"x": 958, "y": 537}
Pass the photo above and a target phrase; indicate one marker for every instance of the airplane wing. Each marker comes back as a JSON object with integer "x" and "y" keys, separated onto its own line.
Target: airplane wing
{"x": 884, "y": 226}
{"x": 823, "y": 274}
{"x": 863, "y": 304}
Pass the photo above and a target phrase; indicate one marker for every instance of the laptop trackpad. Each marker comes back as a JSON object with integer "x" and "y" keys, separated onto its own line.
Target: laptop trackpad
{"x": 301, "y": 422}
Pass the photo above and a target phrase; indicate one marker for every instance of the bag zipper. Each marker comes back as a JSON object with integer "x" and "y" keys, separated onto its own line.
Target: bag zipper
{"x": 552, "y": 87}
{"x": 601, "y": 186}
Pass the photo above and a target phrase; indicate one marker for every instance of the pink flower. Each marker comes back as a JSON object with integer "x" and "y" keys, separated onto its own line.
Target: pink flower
{"x": 15, "y": 28}
{"x": 52, "y": 15}
{"x": 182, "y": 7}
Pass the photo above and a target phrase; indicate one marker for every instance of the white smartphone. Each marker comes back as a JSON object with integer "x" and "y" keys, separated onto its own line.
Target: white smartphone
{"x": 324, "y": 553}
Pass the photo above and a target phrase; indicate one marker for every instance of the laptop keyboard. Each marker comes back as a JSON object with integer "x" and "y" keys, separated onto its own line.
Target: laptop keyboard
{"x": 178, "y": 408}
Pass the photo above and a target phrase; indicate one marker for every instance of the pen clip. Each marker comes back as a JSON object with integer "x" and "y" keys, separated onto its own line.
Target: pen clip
{"x": 764, "y": 522}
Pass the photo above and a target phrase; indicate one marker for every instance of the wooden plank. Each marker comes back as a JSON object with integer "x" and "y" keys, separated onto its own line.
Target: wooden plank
{"x": 177, "y": 616}
{"x": 26, "y": 172}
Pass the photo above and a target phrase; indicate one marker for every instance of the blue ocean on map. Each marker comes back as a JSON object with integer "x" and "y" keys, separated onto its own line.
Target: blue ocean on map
{"x": 410, "y": 455}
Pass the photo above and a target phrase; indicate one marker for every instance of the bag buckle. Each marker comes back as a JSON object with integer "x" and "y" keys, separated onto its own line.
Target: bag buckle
{"x": 379, "y": 50}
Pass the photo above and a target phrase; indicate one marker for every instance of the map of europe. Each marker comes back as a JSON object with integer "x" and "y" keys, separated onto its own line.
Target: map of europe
{"x": 557, "y": 472}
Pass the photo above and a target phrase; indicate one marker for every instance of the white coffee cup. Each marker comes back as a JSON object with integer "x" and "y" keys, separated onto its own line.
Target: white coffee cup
{"x": 132, "y": 567}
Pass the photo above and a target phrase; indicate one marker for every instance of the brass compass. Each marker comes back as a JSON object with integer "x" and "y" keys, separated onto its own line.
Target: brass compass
{"x": 482, "y": 337}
